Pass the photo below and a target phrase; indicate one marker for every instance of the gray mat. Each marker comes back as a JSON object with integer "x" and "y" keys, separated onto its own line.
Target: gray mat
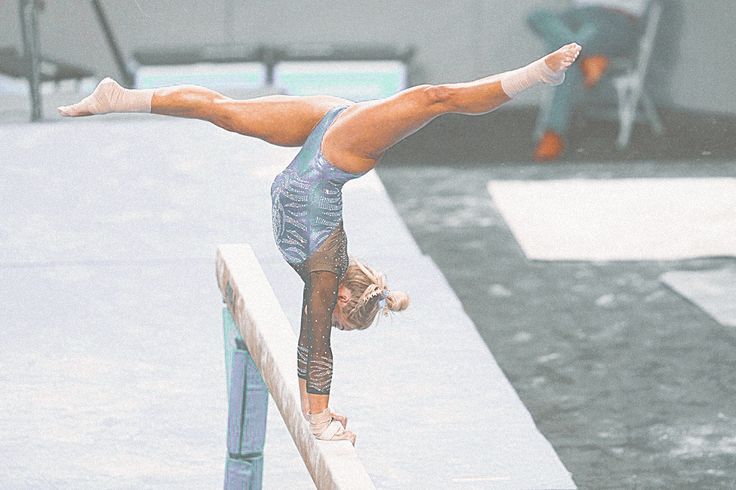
{"x": 712, "y": 291}
{"x": 112, "y": 353}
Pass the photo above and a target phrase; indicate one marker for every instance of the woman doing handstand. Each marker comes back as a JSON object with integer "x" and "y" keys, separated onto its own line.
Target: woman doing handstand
{"x": 340, "y": 141}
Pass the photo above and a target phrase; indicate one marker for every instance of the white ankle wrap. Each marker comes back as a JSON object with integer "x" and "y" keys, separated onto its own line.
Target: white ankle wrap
{"x": 516, "y": 81}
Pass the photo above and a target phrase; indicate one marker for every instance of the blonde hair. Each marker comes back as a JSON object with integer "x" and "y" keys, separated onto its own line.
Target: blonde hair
{"x": 367, "y": 288}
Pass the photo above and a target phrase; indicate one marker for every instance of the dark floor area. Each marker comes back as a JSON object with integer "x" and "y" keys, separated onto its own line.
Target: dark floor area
{"x": 506, "y": 136}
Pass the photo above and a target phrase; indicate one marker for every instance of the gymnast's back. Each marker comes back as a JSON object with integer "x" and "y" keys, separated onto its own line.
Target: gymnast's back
{"x": 306, "y": 200}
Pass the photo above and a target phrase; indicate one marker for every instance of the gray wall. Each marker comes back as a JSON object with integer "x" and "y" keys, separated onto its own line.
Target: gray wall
{"x": 455, "y": 41}
{"x": 704, "y": 73}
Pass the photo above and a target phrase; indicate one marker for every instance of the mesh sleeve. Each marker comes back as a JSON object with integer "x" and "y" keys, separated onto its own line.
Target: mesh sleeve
{"x": 322, "y": 296}
{"x": 302, "y": 349}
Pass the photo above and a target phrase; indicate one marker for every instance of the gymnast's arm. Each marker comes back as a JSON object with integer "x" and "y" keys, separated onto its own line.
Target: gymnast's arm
{"x": 302, "y": 354}
{"x": 314, "y": 352}
{"x": 322, "y": 298}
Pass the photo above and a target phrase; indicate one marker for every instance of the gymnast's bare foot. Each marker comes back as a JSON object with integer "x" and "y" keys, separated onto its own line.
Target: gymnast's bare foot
{"x": 109, "y": 96}
{"x": 98, "y": 102}
{"x": 559, "y": 61}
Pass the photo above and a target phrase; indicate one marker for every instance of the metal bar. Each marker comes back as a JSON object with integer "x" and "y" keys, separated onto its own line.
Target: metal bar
{"x": 31, "y": 51}
{"x": 112, "y": 43}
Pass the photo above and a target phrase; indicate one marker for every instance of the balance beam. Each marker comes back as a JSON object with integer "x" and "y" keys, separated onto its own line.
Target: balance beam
{"x": 272, "y": 345}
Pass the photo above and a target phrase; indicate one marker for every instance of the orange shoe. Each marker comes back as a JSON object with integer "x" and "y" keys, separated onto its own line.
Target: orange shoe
{"x": 593, "y": 68}
{"x": 549, "y": 147}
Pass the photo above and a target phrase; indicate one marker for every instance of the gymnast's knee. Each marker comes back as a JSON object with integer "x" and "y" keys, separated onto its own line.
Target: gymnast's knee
{"x": 436, "y": 95}
{"x": 221, "y": 114}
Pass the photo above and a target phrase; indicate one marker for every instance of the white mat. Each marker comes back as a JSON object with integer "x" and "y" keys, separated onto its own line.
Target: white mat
{"x": 712, "y": 291}
{"x": 627, "y": 219}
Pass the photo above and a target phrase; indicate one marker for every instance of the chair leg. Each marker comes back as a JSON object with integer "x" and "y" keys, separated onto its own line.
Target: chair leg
{"x": 650, "y": 111}
{"x": 626, "y": 111}
{"x": 545, "y": 106}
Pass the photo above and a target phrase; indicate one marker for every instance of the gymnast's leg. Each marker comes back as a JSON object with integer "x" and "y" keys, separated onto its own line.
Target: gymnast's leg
{"x": 279, "y": 119}
{"x": 361, "y": 135}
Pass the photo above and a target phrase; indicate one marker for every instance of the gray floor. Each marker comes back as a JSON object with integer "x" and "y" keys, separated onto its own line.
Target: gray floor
{"x": 112, "y": 346}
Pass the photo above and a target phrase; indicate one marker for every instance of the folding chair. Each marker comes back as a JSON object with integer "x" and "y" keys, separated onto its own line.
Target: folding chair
{"x": 627, "y": 75}
{"x": 629, "y": 85}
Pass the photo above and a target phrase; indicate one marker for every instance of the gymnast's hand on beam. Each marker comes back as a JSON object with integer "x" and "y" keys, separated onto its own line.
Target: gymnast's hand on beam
{"x": 340, "y": 418}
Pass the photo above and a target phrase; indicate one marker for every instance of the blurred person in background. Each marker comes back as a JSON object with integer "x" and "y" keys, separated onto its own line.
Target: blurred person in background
{"x": 605, "y": 28}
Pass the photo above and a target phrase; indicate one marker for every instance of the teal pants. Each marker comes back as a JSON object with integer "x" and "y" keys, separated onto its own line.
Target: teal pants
{"x": 599, "y": 31}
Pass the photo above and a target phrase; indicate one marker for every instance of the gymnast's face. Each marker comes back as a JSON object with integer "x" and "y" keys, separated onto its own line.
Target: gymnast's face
{"x": 339, "y": 318}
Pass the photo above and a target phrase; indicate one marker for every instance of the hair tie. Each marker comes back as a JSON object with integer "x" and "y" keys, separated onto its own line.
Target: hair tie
{"x": 382, "y": 301}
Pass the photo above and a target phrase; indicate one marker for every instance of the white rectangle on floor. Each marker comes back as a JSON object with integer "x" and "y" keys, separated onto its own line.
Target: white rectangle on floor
{"x": 713, "y": 291}
{"x": 623, "y": 219}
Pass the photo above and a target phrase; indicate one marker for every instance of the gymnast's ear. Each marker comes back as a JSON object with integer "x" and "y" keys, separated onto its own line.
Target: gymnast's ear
{"x": 343, "y": 296}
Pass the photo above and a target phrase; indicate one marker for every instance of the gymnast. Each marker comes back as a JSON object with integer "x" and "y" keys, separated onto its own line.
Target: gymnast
{"x": 340, "y": 141}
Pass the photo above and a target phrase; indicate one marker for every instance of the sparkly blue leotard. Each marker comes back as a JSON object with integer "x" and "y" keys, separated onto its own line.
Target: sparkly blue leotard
{"x": 306, "y": 209}
{"x": 307, "y": 225}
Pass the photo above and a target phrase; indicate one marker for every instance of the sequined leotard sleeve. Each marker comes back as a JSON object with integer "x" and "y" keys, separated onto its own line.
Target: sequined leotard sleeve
{"x": 307, "y": 225}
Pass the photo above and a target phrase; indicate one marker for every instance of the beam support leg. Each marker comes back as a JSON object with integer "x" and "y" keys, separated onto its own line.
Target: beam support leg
{"x": 247, "y": 411}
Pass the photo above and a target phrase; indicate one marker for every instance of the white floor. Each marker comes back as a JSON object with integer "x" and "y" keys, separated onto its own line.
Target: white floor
{"x": 713, "y": 291}
{"x": 620, "y": 219}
